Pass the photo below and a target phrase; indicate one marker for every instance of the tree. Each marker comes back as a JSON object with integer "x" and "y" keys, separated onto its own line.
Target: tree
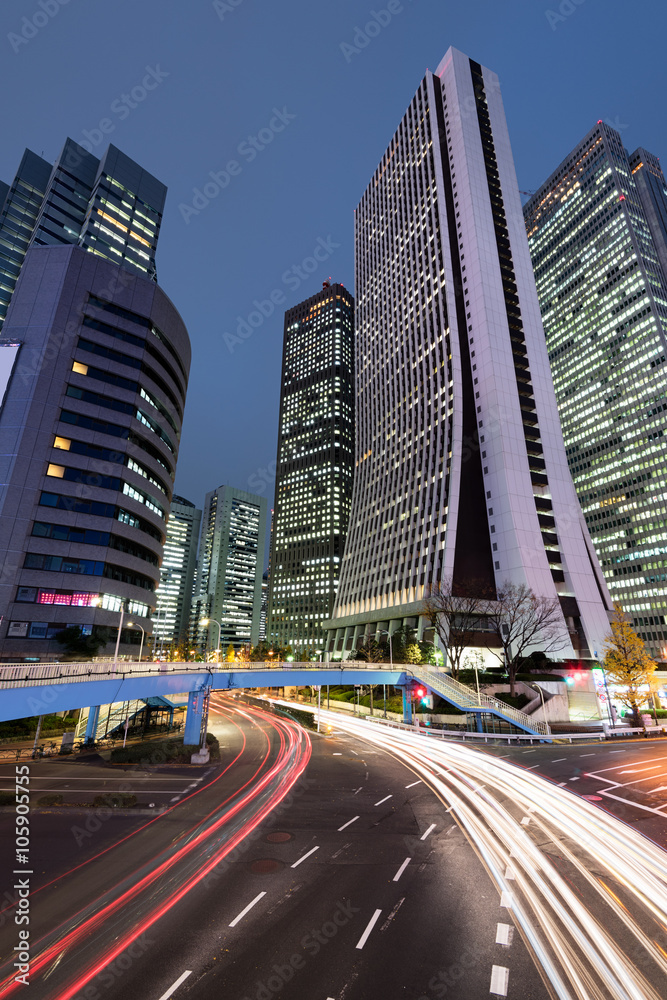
{"x": 627, "y": 664}
{"x": 244, "y": 654}
{"x": 520, "y": 619}
{"x": 456, "y": 618}
{"x": 230, "y": 655}
{"x": 412, "y": 654}
{"x": 80, "y": 646}
{"x": 369, "y": 650}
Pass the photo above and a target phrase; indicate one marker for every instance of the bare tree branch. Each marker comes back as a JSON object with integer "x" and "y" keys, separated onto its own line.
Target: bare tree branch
{"x": 456, "y": 619}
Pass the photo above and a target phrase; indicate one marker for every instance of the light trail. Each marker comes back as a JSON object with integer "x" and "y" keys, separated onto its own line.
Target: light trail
{"x": 587, "y": 892}
{"x": 139, "y": 900}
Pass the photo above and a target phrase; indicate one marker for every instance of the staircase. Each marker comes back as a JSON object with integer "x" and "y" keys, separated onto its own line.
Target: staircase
{"x": 119, "y": 711}
{"x": 466, "y": 700}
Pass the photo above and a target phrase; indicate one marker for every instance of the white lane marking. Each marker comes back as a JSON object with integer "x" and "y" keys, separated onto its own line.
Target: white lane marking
{"x": 509, "y": 873}
{"x": 532, "y": 767}
{"x": 357, "y": 790}
{"x": 637, "y": 805}
{"x": 175, "y": 798}
{"x": 340, "y": 850}
{"x": 506, "y": 899}
{"x": 354, "y": 752}
{"x": 312, "y": 851}
{"x": 525, "y": 821}
{"x": 348, "y": 823}
{"x": 384, "y": 800}
{"x": 618, "y": 751}
{"x": 401, "y": 869}
{"x": 561, "y": 783}
{"x": 172, "y": 989}
{"x": 573, "y": 779}
{"x": 663, "y": 788}
{"x": 499, "y": 979}
{"x": 558, "y": 760}
{"x": 371, "y": 924}
{"x": 587, "y": 755}
{"x": 248, "y": 907}
{"x": 425, "y": 835}
{"x": 638, "y": 770}
{"x": 530, "y": 751}
{"x": 504, "y": 934}
{"x": 336, "y": 755}
{"x": 414, "y": 783}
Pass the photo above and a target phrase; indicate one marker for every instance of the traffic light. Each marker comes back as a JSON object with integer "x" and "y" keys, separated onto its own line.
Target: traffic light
{"x": 420, "y": 693}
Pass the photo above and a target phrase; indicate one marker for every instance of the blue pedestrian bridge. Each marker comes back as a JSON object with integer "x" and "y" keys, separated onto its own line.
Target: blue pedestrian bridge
{"x": 28, "y": 689}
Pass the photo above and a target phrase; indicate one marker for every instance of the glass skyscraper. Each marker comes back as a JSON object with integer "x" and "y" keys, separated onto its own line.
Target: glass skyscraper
{"x": 174, "y": 594}
{"x": 596, "y": 230}
{"x": 461, "y": 472}
{"x": 111, "y": 207}
{"x": 315, "y": 465}
{"x": 229, "y": 570}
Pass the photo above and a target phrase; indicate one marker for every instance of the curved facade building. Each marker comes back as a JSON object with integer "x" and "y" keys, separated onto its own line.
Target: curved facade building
{"x": 89, "y": 435}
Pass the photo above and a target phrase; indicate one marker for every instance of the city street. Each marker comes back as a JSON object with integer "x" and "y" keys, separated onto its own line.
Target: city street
{"x": 390, "y": 869}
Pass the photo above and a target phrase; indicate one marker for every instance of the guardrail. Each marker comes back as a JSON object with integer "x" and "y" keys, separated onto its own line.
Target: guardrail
{"x": 602, "y": 735}
{"x": 24, "y": 674}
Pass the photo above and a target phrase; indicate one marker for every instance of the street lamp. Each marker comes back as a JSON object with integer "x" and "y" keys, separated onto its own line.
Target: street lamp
{"x": 386, "y": 632}
{"x": 207, "y": 621}
{"x": 143, "y": 634}
{"x": 544, "y": 711}
{"x": 436, "y": 652}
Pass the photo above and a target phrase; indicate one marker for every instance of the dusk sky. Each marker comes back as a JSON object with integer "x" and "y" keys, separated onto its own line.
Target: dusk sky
{"x": 292, "y": 73}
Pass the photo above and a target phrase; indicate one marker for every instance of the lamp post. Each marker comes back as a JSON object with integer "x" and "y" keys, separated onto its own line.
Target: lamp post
{"x": 120, "y": 629}
{"x": 207, "y": 621}
{"x": 386, "y": 632}
{"x": 544, "y": 711}
{"x": 143, "y": 635}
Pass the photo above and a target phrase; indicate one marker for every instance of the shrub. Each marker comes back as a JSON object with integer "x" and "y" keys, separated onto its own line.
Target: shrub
{"x": 115, "y": 800}
{"x": 50, "y": 800}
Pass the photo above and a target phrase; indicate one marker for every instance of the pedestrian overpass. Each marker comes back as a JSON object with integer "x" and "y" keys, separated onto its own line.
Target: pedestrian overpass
{"x": 28, "y": 689}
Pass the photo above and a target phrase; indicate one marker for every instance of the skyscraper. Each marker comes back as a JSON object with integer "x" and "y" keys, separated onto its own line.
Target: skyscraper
{"x": 596, "y": 230}
{"x": 111, "y": 207}
{"x": 174, "y": 594}
{"x": 461, "y": 472}
{"x": 229, "y": 570}
{"x": 314, "y": 466}
{"x": 89, "y": 432}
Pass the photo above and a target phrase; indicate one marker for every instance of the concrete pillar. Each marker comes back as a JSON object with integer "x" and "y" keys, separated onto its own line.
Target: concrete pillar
{"x": 91, "y": 725}
{"x": 478, "y": 722}
{"x": 407, "y": 705}
{"x": 193, "y": 719}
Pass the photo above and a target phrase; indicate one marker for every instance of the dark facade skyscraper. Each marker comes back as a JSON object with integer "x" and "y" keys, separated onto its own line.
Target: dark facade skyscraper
{"x": 315, "y": 466}
{"x": 461, "y": 473}
{"x": 597, "y": 230}
{"x": 89, "y": 434}
{"x": 229, "y": 570}
{"x": 111, "y": 207}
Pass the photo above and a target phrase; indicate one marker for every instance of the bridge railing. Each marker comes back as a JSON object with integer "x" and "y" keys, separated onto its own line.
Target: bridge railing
{"x": 14, "y": 675}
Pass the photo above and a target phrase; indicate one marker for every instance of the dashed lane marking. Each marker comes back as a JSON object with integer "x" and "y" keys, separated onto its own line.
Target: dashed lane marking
{"x": 504, "y": 934}
{"x": 307, "y": 855}
{"x": 371, "y": 924}
{"x": 385, "y": 799}
{"x": 354, "y": 818}
{"x": 430, "y": 829}
{"x": 414, "y": 783}
{"x": 172, "y": 989}
{"x": 499, "y": 979}
{"x": 247, "y": 909}
{"x": 401, "y": 869}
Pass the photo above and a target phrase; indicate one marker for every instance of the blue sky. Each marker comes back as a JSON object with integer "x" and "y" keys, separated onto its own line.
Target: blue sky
{"x": 279, "y": 91}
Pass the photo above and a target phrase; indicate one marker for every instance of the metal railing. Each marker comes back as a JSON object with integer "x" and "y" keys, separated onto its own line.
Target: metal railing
{"x": 27, "y": 674}
{"x": 464, "y": 697}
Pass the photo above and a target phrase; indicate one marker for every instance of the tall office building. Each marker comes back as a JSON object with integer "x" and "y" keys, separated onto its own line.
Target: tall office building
{"x": 314, "y": 467}
{"x": 174, "y": 594}
{"x": 461, "y": 469}
{"x": 596, "y": 230}
{"x": 89, "y": 433}
{"x": 229, "y": 570}
{"x": 111, "y": 207}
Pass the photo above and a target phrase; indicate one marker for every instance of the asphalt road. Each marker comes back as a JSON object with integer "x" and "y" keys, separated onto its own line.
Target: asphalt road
{"x": 359, "y": 884}
{"x": 319, "y": 901}
{"x": 627, "y": 778}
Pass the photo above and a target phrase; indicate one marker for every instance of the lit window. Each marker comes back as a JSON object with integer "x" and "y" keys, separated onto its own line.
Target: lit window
{"x": 63, "y": 443}
{"x": 56, "y": 470}
{"x": 78, "y": 367}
